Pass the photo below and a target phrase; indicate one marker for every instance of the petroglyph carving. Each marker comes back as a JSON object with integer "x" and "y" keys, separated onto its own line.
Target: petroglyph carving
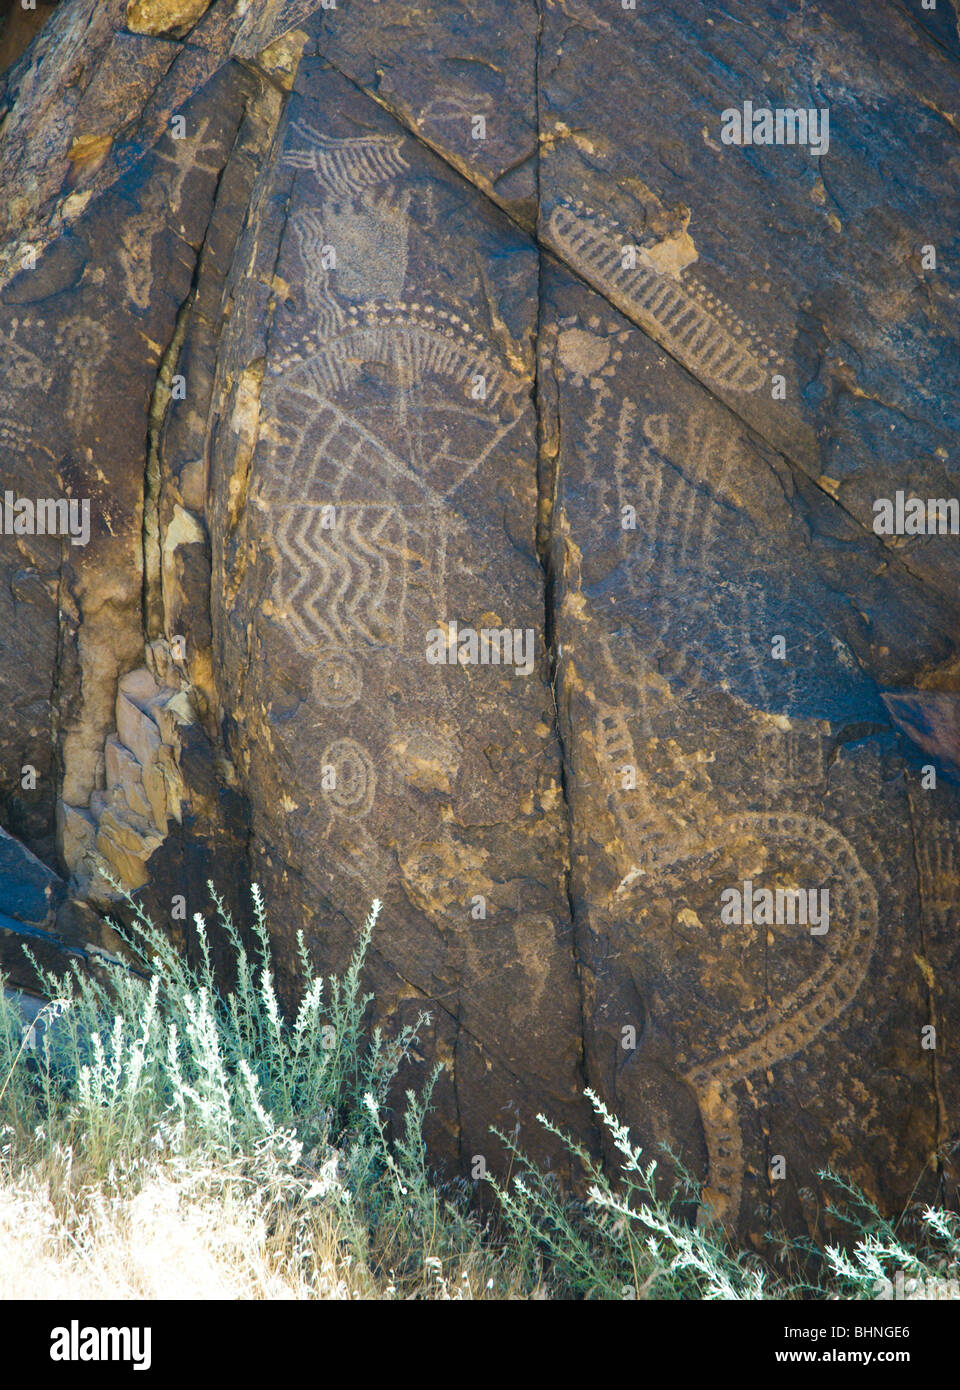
{"x": 188, "y": 158}
{"x": 312, "y": 243}
{"x": 370, "y": 240}
{"x": 390, "y": 536}
{"x": 686, "y": 319}
{"x": 707, "y": 618}
{"x": 354, "y": 782}
{"x": 347, "y": 582}
{"x": 453, "y": 106}
{"x": 822, "y": 997}
{"x": 454, "y": 117}
{"x": 795, "y": 1021}
{"x": 367, "y": 230}
{"x": 83, "y": 344}
{"x": 792, "y": 756}
{"x": 654, "y": 841}
{"x": 679, "y": 508}
{"x": 136, "y": 239}
{"x": 15, "y": 438}
{"x": 20, "y": 366}
{"x": 337, "y": 678}
{"x": 346, "y": 167}
{"x": 376, "y": 423}
{"x": 416, "y": 340}
{"x": 938, "y": 863}
{"x": 163, "y": 193}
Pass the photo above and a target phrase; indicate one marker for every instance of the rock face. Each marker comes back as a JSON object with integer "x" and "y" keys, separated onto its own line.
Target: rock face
{"x": 485, "y": 444}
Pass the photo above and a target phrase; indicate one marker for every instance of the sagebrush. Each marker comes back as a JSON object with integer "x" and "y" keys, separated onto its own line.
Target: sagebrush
{"x": 260, "y": 1148}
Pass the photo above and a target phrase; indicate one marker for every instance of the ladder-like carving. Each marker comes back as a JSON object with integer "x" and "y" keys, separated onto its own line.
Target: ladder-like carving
{"x": 690, "y": 322}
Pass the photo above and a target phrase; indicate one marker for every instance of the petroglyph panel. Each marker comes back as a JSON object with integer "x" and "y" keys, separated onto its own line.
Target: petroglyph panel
{"x": 368, "y": 523}
{"x": 363, "y": 499}
{"x": 678, "y": 506}
{"x": 382, "y": 429}
{"x": 725, "y": 280}
{"x": 662, "y": 848}
{"x": 359, "y": 401}
{"x": 701, "y": 759}
{"x": 648, "y": 443}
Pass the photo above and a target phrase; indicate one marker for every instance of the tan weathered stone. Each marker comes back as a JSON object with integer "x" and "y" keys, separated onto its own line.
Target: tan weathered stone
{"x": 138, "y": 731}
{"x": 125, "y": 775}
{"x": 125, "y": 849}
{"x": 164, "y": 16}
{"x": 77, "y": 834}
{"x": 139, "y": 686}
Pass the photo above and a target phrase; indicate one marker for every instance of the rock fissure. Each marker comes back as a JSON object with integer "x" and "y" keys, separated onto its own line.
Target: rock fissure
{"x": 549, "y": 454}
{"x": 548, "y": 246}
{"x": 464, "y": 338}
{"x": 156, "y": 416}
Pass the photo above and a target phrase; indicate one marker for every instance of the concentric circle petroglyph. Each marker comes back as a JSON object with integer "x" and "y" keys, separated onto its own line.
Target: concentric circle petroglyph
{"x": 353, "y": 783}
{"x": 337, "y": 678}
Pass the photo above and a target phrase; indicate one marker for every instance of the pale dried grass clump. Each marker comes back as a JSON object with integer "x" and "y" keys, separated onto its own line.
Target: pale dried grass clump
{"x": 185, "y": 1233}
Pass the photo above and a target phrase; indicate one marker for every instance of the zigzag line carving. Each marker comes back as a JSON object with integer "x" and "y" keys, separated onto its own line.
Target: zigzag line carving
{"x": 347, "y": 581}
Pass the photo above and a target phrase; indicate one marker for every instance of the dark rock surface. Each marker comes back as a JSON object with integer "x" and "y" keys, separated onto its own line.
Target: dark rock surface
{"x": 30, "y": 891}
{"x": 354, "y": 323}
{"x": 447, "y": 778}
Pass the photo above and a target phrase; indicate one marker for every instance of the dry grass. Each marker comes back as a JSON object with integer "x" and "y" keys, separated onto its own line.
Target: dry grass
{"x": 183, "y": 1228}
{"x": 188, "y": 1234}
{"x": 181, "y": 1235}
